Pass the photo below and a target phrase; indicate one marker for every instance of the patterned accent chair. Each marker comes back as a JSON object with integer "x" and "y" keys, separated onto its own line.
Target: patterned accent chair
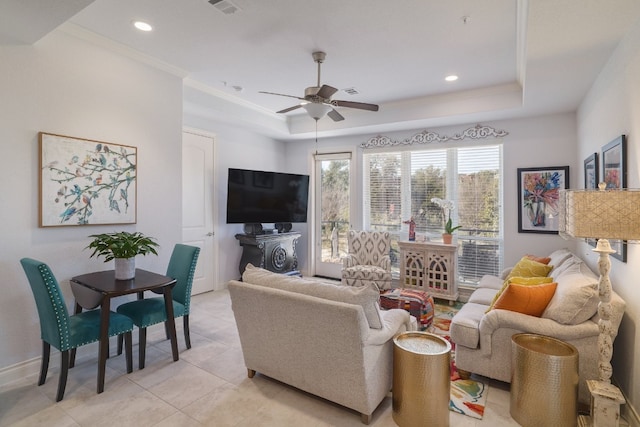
{"x": 368, "y": 259}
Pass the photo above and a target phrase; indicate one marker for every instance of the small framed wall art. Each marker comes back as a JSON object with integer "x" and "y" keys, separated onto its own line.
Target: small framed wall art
{"x": 538, "y": 194}
{"x": 86, "y": 182}
{"x": 591, "y": 172}
{"x": 614, "y": 158}
{"x": 591, "y": 180}
{"x": 614, "y": 174}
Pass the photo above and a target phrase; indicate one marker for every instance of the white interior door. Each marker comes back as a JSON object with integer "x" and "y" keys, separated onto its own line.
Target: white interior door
{"x": 197, "y": 206}
{"x": 333, "y": 199}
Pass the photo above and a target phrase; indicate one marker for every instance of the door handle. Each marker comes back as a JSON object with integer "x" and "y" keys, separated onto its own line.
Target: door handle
{"x": 209, "y": 234}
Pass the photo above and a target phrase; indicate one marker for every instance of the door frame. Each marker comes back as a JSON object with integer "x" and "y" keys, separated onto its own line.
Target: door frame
{"x": 214, "y": 201}
{"x": 354, "y": 205}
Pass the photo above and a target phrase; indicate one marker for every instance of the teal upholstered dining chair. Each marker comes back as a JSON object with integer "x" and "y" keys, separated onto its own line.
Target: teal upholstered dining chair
{"x": 149, "y": 311}
{"x": 65, "y": 332}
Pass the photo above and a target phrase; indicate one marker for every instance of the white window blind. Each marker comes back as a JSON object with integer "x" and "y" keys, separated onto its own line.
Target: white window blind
{"x": 382, "y": 191}
{"x": 400, "y": 185}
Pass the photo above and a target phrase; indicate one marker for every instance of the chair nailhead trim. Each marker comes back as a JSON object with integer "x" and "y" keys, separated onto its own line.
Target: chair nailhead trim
{"x": 62, "y": 317}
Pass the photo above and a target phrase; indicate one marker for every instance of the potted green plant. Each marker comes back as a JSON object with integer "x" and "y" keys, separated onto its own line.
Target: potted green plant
{"x": 447, "y": 236}
{"x": 122, "y": 247}
{"x": 449, "y": 229}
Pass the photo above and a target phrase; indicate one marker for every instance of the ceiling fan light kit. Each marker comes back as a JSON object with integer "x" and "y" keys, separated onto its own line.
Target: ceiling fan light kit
{"x": 317, "y": 111}
{"x": 317, "y": 99}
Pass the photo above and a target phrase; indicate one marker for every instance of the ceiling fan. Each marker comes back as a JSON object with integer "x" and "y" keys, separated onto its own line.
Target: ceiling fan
{"x": 317, "y": 99}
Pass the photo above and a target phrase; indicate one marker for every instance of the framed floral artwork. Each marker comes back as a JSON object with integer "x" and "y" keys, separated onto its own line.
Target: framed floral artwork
{"x": 591, "y": 180}
{"x": 614, "y": 174}
{"x": 538, "y": 194}
{"x": 591, "y": 172}
{"x": 86, "y": 182}
{"x": 614, "y": 156}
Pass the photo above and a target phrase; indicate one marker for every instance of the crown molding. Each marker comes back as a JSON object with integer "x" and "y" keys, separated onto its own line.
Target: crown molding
{"x": 428, "y": 137}
{"x": 89, "y": 36}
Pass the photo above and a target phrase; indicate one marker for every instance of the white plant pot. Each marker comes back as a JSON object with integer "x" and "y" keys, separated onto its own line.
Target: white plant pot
{"x": 125, "y": 268}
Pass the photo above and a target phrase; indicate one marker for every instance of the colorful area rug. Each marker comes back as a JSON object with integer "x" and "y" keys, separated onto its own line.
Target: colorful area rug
{"x": 468, "y": 397}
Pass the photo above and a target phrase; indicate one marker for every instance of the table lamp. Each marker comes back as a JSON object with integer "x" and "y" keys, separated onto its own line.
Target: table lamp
{"x": 602, "y": 214}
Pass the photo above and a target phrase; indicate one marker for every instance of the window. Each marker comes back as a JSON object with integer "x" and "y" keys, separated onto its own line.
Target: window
{"x": 400, "y": 185}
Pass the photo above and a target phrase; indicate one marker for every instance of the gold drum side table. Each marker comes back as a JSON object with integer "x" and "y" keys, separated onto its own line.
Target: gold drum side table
{"x": 544, "y": 381}
{"x": 421, "y": 380}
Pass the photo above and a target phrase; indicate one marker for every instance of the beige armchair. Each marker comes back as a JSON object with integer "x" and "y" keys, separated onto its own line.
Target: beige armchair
{"x": 368, "y": 259}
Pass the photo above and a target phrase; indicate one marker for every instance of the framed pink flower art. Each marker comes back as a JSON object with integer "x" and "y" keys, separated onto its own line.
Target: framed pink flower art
{"x": 614, "y": 157}
{"x": 538, "y": 195}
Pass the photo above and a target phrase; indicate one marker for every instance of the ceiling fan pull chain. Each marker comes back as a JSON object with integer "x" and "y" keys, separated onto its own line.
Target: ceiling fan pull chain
{"x": 316, "y": 137}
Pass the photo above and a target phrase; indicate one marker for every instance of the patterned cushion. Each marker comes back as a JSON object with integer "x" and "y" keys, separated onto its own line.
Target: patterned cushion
{"x": 529, "y": 268}
{"x": 370, "y": 247}
{"x": 366, "y": 272}
{"x": 368, "y": 261}
{"x": 418, "y": 303}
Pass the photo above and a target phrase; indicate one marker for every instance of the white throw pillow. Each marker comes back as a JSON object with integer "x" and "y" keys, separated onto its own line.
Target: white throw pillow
{"x": 576, "y": 298}
{"x": 568, "y": 264}
{"x": 368, "y": 297}
{"x": 559, "y": 256}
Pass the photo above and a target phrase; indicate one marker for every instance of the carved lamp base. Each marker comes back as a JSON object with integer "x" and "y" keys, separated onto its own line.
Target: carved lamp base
{"x": 605, "y": 405}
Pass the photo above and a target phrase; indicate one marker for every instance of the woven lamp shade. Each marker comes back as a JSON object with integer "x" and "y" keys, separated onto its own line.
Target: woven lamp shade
{"x": 600, "y": 214}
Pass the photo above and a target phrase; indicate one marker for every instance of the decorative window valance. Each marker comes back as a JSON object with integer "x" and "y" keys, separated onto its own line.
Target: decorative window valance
{"x": 428, "y": 137}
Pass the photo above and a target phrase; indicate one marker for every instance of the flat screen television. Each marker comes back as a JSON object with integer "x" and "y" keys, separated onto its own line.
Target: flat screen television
{"x": 256, "y": 197}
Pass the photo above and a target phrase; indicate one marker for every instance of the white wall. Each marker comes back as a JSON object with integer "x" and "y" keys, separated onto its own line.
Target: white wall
{"x": 234, "y": 148}
{"x": 612, "y": 108}
{"x": 539, "y": 141}
{"x": 71, "y": 87}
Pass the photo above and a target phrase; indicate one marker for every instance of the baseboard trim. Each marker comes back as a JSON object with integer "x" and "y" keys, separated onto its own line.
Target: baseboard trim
{"x": 20, "y": 370}
{"x": 630, "y": 414}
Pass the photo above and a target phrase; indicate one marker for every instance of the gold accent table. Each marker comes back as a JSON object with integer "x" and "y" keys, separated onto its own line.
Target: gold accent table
{"x": 421, "y": 380}
{"x": 429, "y": 267}
{"x": 544, "y": 381}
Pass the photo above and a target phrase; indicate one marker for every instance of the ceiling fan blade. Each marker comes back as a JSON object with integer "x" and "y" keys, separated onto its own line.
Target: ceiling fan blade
{"x": 335, "y": 116}
{"x": 326, "y": 91}
{"x": 286, "y": 110}
{"x": 358, "y": 105}
{"x": 280, "y": 94}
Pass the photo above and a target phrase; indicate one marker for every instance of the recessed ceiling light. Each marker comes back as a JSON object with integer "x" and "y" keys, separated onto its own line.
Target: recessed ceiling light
{"x": 451, "y": 78}
{"x": 142, "y": 26}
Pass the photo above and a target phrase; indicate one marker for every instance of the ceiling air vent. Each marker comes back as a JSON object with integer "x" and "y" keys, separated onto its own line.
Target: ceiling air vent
{"x": 225, "y": 6}
{"x": 351, "y": 91}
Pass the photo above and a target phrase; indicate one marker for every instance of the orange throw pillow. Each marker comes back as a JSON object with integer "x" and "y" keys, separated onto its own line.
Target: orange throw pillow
{"x": 531, "y": 300}
{"x": 528, "y": 281}
{"x": 541, "y": 260}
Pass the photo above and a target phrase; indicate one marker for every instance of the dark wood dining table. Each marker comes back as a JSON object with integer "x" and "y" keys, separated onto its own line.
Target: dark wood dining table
{"x": 97, "y": 289}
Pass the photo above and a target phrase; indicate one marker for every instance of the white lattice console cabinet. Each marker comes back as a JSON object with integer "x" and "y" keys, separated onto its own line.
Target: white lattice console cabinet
{"x": 429, "y": 266}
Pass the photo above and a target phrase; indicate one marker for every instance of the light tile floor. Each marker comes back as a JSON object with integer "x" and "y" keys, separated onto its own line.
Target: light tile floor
{"x": 208, "y": 386}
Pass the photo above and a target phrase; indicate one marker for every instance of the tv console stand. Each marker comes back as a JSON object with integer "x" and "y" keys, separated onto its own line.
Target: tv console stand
{"x": 272, "y": 251}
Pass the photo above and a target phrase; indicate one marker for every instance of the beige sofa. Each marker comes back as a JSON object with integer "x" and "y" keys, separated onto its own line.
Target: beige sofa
{"x": 483, "y": 339}
{"x": 329, "y": 340}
